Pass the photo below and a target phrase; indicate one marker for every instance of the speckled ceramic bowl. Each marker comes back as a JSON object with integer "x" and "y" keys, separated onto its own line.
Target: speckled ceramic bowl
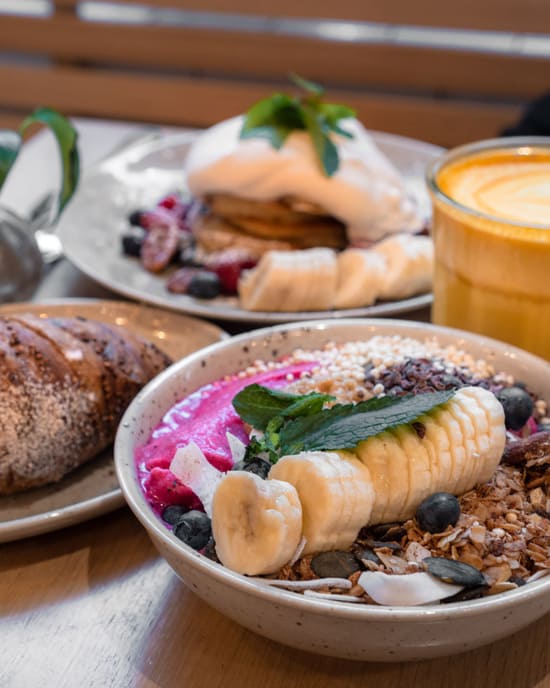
{"x": 337, "y": 629}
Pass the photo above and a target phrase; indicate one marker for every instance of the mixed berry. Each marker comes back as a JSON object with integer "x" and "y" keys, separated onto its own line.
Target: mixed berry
{"x": 162, "y": 238}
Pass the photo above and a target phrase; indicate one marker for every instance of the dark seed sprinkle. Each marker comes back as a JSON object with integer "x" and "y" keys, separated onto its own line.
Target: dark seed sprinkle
{"x": 466, "y": 594}
{"x": 420, "y": 429}
{"x": 335, "y": 564}
{"x": 456, "y": 572}
{"x": 367, "y": 554}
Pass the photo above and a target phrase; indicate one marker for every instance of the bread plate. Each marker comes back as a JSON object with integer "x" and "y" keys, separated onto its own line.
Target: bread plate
{"x": 93, "y": 489}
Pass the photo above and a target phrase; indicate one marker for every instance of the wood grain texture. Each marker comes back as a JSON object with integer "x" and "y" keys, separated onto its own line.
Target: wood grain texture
{"x": 201, "y": 102}
{"x": 94, "y": 605}
{"x": 269, "y": 56}
{"x": 531, "y": 16}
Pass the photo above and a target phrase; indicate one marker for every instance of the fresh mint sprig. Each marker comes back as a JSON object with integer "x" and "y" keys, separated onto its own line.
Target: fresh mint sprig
{"x": 275, "y": 117}
{"x": 295, "y": 423}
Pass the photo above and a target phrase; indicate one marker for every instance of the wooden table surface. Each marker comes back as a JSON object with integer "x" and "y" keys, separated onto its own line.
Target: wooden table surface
{"x": 93, "y": 605}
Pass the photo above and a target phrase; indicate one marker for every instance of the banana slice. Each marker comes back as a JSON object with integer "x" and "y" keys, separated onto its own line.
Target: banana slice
{"x": 491, "y": 439}
{"x": 360, "y": 278}
{"x": 409, "y": 265}
{"x": 398, "y": 463}
{"x": 336, "y": 493}
{"x": 374, "y": 453}
{"x": 471, "y": 462}
{"x": 458, "y": 445}
{"x": 256, "y": 524}
{"x": 291, "y": 281}
{"x": 436, "y": 443}
{"x": 421, "y": 473}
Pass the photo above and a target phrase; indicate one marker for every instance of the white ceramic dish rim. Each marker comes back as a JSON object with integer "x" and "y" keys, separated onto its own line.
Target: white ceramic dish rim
{"x": 217, "y": 309}
{"x": 64, "y": 515}
{"x": 138, "y": 504}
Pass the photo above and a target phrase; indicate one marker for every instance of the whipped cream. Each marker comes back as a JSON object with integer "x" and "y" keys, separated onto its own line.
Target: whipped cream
{"x": 366, "y": 193}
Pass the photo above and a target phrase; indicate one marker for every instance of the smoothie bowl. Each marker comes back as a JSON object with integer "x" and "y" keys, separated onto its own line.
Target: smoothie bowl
{"x": 374, "y": 490}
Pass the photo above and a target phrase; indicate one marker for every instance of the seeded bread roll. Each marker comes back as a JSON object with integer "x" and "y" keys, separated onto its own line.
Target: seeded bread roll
{"x": 64, "y": 385}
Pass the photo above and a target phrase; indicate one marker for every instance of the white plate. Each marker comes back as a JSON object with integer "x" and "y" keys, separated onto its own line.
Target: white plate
{"x": 93, "y": 489}
{"x": 139, "y": 175}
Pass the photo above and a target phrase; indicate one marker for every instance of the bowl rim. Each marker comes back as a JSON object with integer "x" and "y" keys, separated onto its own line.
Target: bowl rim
{"x": 135, "y": 498}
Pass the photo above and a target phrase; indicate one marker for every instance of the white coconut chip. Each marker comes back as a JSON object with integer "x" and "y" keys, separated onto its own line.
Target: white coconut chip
{"x": 332, "y": 596}
{"x": 342, "y": 583}
{"x": 405, "y": 590}
{"x": 298, "y": 553}
{"x": 193, "y": 469}
{"x": 236, "y": 447}
{"x": 538, "y": 574}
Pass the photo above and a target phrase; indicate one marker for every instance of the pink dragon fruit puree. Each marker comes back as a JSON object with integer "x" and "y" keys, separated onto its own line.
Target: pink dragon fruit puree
{"x": 204, "y": 417}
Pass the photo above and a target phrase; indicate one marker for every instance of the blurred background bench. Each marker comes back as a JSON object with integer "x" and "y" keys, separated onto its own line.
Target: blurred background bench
{"x": 446, "y": 72}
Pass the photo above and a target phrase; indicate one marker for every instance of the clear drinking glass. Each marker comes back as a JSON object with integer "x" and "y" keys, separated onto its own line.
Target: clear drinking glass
{"x": 491, "y": 230}
{"x": 21, "y": 262}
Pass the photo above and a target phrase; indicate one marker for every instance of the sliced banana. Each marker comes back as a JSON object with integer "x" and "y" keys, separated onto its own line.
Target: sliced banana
{"x": 373, "y": 453}
{"x": 491, "y": 439}
{"x": 256, "y": 524}
{"x": 421, "y": 467}
{"x": 459, "y": 445}
{"x": 409, "y": 265}
{"x": 336, "y": 493}
{"x": 291, "y": 281}
{"x": 360, "y": 278}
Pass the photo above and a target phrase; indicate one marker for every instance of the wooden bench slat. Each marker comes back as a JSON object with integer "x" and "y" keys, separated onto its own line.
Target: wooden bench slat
{"x": 201, "y": 102}
{"x": 527, "y": 16}
{"x": 272, "y": 57}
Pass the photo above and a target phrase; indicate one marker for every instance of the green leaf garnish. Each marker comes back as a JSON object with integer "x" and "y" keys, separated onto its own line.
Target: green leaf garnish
{"x": 294, "y": 423}
{"x": 10, "y": 143}
{"x": 344, "y": 426}
{"x": 66, "y": 137}
{"x": 258, "y": 405}
{"x": 275, "y": 117}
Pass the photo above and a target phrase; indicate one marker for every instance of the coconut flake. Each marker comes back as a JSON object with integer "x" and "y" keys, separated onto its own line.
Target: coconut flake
{"x": 542, "y": 573}
{"x": 342, "y": 583}
{"x": 298, "y": 553}
{"x": 193, "y": 469}
{"x": 332, "y": 596}
{"x": 236, "y": 447}
{"x": 405, "y": 590}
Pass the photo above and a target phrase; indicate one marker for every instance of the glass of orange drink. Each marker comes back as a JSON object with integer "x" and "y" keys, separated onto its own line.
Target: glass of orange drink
{"x": 491, "y": 229}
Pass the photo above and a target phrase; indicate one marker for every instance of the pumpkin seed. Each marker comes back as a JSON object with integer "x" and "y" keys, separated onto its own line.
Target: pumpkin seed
{"x": 335, "y": 564}
{"x": 452, "y": 571}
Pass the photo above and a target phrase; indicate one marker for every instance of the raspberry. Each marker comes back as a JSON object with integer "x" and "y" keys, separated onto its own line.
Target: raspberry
{"x": 228, "y": 265}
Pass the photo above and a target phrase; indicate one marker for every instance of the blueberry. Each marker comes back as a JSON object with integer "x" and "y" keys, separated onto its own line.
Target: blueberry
{"x": 438, "y": 511}
{"x": 135, "y": 218}
{"x": 194, "y": 529}
{"x": 131, "y": 243}
{"x": 204, "y": 285}
{"x": 518, "y": 406}
{"x": 173, "y": 513}
{"x": 256, "y": 465}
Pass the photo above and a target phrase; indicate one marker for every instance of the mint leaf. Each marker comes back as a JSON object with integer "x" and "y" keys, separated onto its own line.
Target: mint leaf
{"x": 276, "y": 135}
{"x": 325, "y": 148}
{"x": 10, "y": 143}
{"x": 308, "y": 86}
{"x": 332, "y": 112}
{"x": 344, "y": 426}
{"x": 66, "y": 137}
{"x": 274, "y": 118}
{"x": 258, "y": 405}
